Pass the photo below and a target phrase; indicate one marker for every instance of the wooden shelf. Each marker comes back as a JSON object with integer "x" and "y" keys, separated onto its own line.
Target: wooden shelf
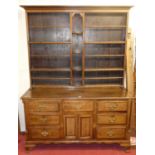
{"x": 103, "y": 85}
{"x": 48, "y": 85}
{"x": 77, "y": 78}
{"x": 50, "y": 42}
{"x": 77, "y": 68}
{"x": 50, "y": 78}
{"x": 51, "y": 69}
{"x": 106, "y": 55}
{"x": 102, "y": 78}
{"x": 78, "y": 33}
{"x": 103, "y": 69}
{"x": 77, "y": 52}
{"x": 97, "y": 55}
{"x": 106, "y": 42}
{"x": 49, "y": 26}
{"x": 106, "y": 26}
{"x": 50, "y": 56}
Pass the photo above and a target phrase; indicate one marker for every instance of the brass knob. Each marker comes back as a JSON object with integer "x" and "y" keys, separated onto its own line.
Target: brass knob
{"x": 44, "y": 133}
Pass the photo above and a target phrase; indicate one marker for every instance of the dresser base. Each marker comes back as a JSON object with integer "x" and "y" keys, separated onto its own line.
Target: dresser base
{"x": 123, "y": 143}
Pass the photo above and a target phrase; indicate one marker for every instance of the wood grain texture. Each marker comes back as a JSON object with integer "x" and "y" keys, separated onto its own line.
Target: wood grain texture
{"x": 79, "y": 58}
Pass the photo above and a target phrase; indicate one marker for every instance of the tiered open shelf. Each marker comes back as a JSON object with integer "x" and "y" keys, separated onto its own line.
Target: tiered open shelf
{"x": 77, "y": 48}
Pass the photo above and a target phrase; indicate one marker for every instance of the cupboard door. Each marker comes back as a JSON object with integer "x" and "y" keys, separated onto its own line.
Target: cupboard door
{"x": 85, "y": 127}
{"x": 70, "y": 126}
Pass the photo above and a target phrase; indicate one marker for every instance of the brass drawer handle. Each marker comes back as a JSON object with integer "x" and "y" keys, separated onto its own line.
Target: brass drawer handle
{"x": 114, "y": 106}
{"x": 112, "y": 120}
{"x": 79, "y": 106}
{"x": 44, "y": 133}
{"x": 44, "y": 119}
{"x": 110, "y": 133}
{"x": 42, "y": 106}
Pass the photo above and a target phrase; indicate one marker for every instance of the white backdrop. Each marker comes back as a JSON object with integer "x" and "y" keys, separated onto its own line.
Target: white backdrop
{"x": 24, "y": 81}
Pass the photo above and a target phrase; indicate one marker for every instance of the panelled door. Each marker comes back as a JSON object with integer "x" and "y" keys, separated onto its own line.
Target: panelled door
{"x": 78, "y": 126}
{"x": 85, "y": 126}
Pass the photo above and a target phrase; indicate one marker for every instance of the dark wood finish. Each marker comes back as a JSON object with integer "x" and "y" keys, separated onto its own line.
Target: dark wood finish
{"x": 79, "y": 59}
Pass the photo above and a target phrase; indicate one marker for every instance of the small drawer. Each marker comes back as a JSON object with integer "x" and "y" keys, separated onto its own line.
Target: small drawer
{"x": 44, "y": 119}
{"x": 44, "y": 106}
{"x": 44, "y": 132}
{"x": 110, "y": 132}
{"x": 112, "y": 106}
{"x": 111, "y": 118}
{"x": 78, "y": 105}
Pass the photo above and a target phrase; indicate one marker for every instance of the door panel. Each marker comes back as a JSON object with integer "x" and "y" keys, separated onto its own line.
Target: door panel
{"x": 70, "y": 126}
{"x": 85, "y": 126}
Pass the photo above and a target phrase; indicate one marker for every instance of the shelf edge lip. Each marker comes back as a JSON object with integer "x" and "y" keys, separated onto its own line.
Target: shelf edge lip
{"x": 50, "y": 42}
{"x": 112, "y": 42}
{"x": 84, "y": 98}
{"x": 78, "y": 6}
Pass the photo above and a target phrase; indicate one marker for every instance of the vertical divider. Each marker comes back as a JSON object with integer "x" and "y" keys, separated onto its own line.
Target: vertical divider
{"x": 125, "y": 54}
{"x": 71, "y": 51}
{"x": 28, "y": 45}
{"x": 83, "y": 50}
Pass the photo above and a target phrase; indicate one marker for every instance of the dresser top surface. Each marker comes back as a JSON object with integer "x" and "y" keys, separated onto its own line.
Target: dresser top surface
{"x": 72, "y": 92}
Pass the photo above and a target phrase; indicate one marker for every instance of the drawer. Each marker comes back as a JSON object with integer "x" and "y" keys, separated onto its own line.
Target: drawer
{"x": 110, "y": 132}
{"x": 44, "y": 119}
{"x": 44, "y": 106}
{"x": 44, "y": 132}
{"x": 112, "y": 106}
{"x": 78, "y": 105}
{"x": 111, "y": 118}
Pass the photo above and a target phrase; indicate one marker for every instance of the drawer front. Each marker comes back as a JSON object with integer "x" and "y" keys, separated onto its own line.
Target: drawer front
{"x": 78, "y": 105}
{"x": 44, "y": 106}
{"x": 110, "y": 132}
{"x": 112, "y": 106}
{"x": 44, "y": 132}
{"x": 44, "y": 119}
{"x": 114, "y": 118}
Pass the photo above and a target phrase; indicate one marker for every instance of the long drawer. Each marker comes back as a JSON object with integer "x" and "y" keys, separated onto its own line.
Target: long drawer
{"x": 82, "y": 105}
{"x": 104, "y": 132}
{"x": 44, "y": 105}
{"x": 111, "y": 118}
{"x": 44, "y": 119}
{"x": 44, "y": 132}
{"x": 112, "y": 105}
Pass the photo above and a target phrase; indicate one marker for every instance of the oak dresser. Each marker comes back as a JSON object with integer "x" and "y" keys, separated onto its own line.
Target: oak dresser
{"x": 80, "y": 64}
